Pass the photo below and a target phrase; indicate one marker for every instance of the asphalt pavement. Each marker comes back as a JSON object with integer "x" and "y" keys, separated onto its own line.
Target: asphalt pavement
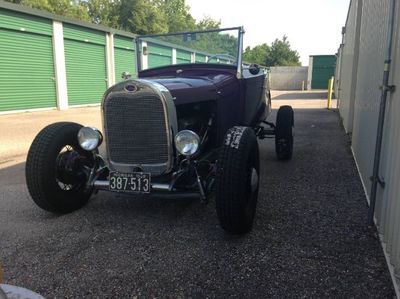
{"x": 310, "y": 238}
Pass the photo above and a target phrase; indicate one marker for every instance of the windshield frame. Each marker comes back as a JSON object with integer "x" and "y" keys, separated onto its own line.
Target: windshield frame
{"x": 239, "y": 58}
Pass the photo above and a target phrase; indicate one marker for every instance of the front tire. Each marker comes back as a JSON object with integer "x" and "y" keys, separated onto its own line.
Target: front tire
{"x": 55, "y": 169}
{"x": 237, "y": 180}
{"x": 284, "y": 133}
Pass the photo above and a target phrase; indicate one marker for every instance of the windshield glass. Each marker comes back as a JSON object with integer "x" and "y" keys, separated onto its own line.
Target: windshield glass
{"x": 215, "y": 46}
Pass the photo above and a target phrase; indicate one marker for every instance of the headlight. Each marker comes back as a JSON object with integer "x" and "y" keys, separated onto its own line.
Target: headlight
{"x": 187, "y": 142}
{"x": 89, "y": 138}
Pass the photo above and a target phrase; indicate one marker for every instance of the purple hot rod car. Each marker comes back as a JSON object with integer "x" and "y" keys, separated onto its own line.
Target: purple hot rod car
{"x": 181, "y": 129}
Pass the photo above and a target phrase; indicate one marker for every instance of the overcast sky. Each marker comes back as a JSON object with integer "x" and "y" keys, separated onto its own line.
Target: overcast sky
{"x": 312, "y": 26}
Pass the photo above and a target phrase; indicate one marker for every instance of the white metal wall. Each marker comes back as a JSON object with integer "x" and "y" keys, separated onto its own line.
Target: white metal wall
{"x": 388, "y": 200}
{"x": 337, "y": 71}
{"x": 367, "y": 81}
{"x": 373, "y": 34}
{"x": 349, "y": 59}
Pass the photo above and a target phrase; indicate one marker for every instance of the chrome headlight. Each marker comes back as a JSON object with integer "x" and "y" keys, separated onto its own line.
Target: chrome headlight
{"x": 187, "y": 142}
{"x": 89, "y": 138}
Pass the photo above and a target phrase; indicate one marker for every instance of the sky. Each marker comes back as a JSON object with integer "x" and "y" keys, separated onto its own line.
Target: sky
{"x": 313, "y": 27}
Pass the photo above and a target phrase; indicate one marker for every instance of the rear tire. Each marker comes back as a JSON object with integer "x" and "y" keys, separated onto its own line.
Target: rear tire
{"x": 50, "y": 188}
{"x": 284, "y": 133}
{"x": 237, "y": 180}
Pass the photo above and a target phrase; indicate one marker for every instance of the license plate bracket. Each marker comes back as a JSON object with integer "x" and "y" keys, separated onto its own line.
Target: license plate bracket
{"x": 136, "y": 182}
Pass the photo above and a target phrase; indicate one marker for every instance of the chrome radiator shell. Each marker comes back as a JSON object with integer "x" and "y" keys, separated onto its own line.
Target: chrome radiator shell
{"x": 139, "y": 123}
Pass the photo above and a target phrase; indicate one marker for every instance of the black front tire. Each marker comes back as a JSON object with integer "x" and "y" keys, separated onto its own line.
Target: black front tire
{"x": 284, "y": 133}
{"x": 237, "y": 180}
{"x": 41, "y": 170}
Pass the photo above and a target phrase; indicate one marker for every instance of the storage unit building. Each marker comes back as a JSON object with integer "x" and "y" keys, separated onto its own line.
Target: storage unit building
{"x": 124, "y": 56}
{"x": 183, "y": 56}
{"x": 361, "y": 74}
{"x": 49, "y": 61}
{"x": 27, "y": 78}
{"x": 159, "y": 55}
{"x": 85, "y": 64}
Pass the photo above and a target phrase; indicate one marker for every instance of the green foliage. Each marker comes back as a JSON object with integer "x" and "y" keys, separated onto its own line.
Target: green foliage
{"x": 208, "y": 23}
{"x": 74, "y": 9}
{"x": 141, "y": 17}
{"x": 137, "y": 16}
{"x": 177, "y": 15}
{"x": 279, "y": 53}
{"x": 257, "y": 55}
{"x": 104, "y": 12}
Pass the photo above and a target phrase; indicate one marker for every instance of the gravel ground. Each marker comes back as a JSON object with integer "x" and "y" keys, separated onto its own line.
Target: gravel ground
{"x": 310, "y": 238}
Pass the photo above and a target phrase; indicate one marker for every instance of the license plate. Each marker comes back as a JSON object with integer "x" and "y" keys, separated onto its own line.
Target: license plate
{"x": 130, "y": 182}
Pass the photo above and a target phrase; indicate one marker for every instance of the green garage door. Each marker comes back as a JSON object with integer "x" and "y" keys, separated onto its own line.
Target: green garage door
{"x": 124, "y": 57}
{"x": 200, "y": 58}
{"x": 182, "y": 56}
{"x": 26, "y": 62}
{"x": 323, "y": 69}
{"x": 85, "y": 60}
{"x": 159, "y": 55}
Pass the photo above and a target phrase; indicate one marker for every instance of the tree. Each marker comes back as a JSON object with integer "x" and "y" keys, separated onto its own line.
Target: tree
{"x": 279, "y": 53}
{"x": 137, "y": 16}
{"x": 177, "y": 15}
{"x": 104, "y": 12}
{"x": 141, "y": 17}
{"x": 257, "y": 55}
{"x": 208, "y": 23}
{"x": 74, "y": 9}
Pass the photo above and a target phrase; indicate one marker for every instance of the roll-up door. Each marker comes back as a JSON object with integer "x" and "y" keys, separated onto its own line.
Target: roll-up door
{"x": 159, "y": 55}
{"x": 200, "y": 57}
{"x": 124, "y": 56}
{"x": 323, "y": 70}
{"x": 26, "y": 62}
{"x": 182, "y": 56}
{"x": 85, "y": 60}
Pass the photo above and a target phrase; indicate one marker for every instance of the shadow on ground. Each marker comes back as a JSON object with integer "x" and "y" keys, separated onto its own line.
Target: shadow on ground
{"x": 302, "y": 95}
{"x": 310, "y": 238}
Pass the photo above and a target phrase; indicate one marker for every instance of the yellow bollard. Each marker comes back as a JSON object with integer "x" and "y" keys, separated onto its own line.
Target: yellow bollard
{"x": 330, "y": 91}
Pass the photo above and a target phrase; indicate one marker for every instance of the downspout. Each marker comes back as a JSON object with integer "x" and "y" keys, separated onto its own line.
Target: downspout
{"x": 381, "y": 118}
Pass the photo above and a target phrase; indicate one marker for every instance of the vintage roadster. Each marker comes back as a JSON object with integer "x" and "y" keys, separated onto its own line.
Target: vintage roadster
{"x": 179, "y": 129}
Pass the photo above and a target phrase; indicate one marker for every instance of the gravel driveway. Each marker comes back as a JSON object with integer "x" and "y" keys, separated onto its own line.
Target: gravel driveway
{"x": 310, "y": 238}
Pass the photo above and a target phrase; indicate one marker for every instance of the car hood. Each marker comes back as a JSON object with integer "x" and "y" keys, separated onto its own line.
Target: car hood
{"x": 189, "y": 90}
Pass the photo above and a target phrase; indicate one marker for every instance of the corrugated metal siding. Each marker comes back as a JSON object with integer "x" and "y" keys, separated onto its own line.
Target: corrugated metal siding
{"x": 337, "y": 72}
{"x": 86, "y": 72}
{"x": 124, "y": 42}
{"x": 84, "y": 34}
{"x": 369, "y": 77}
{"x": 347, "y": 76}
{"x": 373, "y": 34}
{"x": 159, "y": 55}
{"x": 200, "y": 58}
{"x": 182, "y": 56}
{"x": 26, "y": 57}
{"x": 27, "y": 23}
{"x": 388, "y": 198}
{"x": 124, "y": 56}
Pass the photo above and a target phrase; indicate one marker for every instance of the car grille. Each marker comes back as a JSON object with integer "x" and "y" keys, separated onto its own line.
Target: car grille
{"x": 136, "y": 129}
